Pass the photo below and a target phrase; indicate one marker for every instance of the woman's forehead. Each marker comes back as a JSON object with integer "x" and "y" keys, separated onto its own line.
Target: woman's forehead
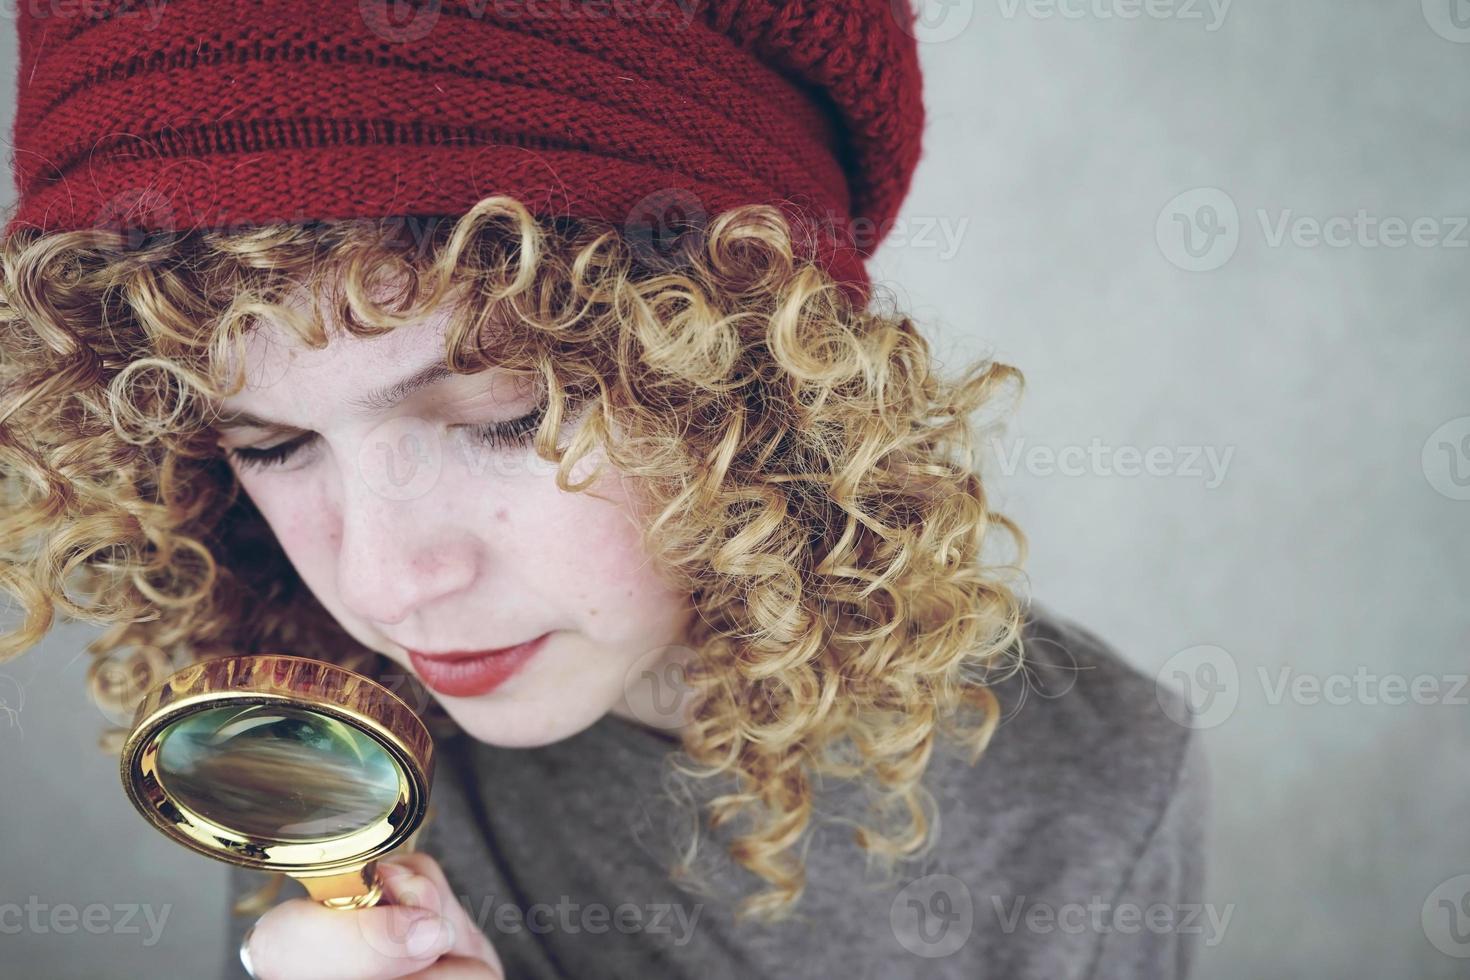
{"x": 352, "y": 376}
{"x": 271, "y": 351}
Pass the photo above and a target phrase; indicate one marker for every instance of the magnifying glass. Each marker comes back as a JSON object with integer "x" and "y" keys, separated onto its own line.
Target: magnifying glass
{"x": 284, "y": 764}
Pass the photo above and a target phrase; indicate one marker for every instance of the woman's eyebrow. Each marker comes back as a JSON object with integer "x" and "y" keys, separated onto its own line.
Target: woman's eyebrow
{"x": 389, "y": 395}
{"x": 376, "y": 400}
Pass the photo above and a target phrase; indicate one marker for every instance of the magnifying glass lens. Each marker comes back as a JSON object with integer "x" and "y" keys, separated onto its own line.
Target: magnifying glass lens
{"x": 277, "y": 773}
{"x": 282, "y": 763}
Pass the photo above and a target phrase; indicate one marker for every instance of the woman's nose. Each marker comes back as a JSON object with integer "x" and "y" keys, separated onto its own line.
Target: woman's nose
{"x": 398, "y": 556}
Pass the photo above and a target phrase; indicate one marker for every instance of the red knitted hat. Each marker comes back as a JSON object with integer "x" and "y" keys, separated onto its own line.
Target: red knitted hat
{"x": 225, "y": 113}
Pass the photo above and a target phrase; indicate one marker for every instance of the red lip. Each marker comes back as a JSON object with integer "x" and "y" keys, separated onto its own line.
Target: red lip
{"x": 471, "y": 673}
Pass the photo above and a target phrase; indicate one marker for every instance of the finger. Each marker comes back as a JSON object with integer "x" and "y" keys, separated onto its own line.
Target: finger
{"x": 417, "y": 879}
{"x": 302, "y": 938}
{"x": 459, "y": 968}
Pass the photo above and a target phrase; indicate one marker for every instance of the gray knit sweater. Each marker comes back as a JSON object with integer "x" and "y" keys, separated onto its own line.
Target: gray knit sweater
{"x": 1073, "y": 849}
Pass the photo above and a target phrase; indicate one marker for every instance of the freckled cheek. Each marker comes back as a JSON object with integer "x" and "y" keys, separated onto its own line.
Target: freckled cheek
{"x": 307, "y": 529}
{"x": 616, "y": 577}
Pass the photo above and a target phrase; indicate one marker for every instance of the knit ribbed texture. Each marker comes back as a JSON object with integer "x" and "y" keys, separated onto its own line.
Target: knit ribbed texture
{"x": 202, "y": 113}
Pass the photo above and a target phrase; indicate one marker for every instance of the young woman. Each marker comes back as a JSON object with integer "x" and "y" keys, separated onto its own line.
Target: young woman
{"x": 669, "y": 526}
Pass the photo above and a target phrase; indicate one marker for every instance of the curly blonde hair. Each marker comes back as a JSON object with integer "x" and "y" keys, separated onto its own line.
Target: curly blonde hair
{"x": 810, "y": 476}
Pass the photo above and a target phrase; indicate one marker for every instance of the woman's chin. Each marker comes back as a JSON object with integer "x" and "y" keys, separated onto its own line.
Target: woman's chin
{"x": 517, "y": 723}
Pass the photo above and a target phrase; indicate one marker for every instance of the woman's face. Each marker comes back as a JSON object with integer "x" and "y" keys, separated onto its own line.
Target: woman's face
{"x": 416, "y": 534}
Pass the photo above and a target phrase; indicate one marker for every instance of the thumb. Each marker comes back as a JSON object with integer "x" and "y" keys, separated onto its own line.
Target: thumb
{"x": 416, "y": 879}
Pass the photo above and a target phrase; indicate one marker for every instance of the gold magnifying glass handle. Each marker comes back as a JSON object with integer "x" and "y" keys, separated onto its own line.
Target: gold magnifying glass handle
{"x": 348, "y": 890}
{"x": 358, "y": 889}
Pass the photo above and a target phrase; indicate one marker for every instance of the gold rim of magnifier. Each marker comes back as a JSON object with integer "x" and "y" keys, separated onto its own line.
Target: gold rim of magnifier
{"x": 288, "y": 681}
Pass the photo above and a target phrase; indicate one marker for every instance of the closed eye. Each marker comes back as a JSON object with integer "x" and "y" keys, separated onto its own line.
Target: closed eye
{"x": 272, "y": 456}
{"x": 503, "y": 435}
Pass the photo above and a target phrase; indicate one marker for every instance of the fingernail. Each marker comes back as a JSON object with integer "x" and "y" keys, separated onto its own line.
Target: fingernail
{"x": 393, "y": 869}
{"x": 411, "y": 889}
{"x": 428, "y": 936}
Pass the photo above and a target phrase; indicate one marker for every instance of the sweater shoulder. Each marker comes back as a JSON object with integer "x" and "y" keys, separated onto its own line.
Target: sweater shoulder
{"x": 1087, "y": 739}
{"x": 1084, "y": 685}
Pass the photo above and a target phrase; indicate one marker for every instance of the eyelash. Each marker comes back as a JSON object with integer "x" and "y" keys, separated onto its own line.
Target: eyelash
{"x": 501, "y": 435}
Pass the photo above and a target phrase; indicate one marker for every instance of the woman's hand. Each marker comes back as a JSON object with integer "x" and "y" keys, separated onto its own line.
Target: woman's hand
{"x": 424, "y": 934}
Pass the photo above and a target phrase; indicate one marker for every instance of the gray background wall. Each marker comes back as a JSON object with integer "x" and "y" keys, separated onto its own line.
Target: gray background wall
{"x": 1326, "y": 548}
